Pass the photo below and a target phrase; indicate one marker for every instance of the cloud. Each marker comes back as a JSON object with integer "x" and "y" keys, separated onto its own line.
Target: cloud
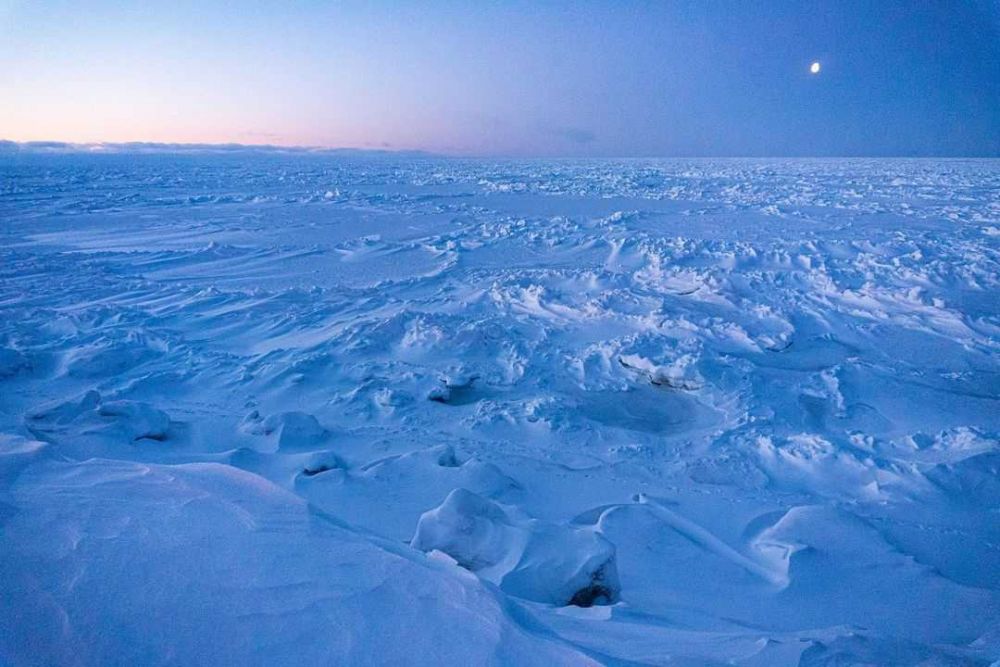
{"x": 133, "y": 147}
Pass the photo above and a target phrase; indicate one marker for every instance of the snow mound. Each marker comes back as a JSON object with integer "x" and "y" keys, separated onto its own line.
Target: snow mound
{"x": 290, "y": 431}
{"x": 92, "y": 419}
{"x": 527, "y": 558}
{"x": 206, "y": 564}
{"x": 322, "y": 461}
{"x": 141, "y": 419}
{"x": 388, "y": 495}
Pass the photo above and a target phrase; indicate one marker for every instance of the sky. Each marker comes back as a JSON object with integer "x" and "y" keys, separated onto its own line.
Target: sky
{"x": 667, "y": 78}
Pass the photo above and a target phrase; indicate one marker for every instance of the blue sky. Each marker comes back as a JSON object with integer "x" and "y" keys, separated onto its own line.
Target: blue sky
{"x": 696, "y": 77}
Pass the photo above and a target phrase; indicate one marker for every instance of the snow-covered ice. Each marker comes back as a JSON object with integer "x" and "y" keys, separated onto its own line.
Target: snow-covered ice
{"x": 305, "y": 409}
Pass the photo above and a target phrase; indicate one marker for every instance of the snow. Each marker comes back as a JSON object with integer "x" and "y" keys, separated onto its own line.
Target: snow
{"x": 293, "y": 409}
{"x": 527, "y": 558}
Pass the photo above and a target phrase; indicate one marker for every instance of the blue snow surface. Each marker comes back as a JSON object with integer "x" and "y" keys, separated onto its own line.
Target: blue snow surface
{"x": 293, "y": 409}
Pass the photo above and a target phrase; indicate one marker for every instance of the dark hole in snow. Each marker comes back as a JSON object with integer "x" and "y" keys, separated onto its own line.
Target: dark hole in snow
{"x": 455, "y": 395}
{"x": 458, "y": 392}
{"x": 311, "y": 472}
{"x": 593, "y": 594}
{"x": 600, "y": 591}
{"x": 448, "y": 459}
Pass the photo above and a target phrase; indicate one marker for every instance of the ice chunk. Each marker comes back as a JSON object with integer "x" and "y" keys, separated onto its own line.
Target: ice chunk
{"x": 64, "y": 412}
{"x": 140, "y": 419}
{"x": 473, "y": 530}
{"x": 92, "y": 419}
{"x": 295, "y": 430}
{"x": 528, "y": 558}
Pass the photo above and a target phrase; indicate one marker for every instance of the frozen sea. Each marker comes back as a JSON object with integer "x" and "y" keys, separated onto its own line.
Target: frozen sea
{"x": 292, "y": 409}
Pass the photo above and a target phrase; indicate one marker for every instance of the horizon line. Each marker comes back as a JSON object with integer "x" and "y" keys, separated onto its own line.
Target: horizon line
{"x": 56, "y": 147}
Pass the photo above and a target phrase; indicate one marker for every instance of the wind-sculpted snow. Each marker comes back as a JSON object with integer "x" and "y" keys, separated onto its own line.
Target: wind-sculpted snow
{"x": 283, "y": 409}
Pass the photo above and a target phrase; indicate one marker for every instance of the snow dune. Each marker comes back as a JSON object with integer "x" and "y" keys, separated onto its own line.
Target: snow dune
{"x": 304, "y": 409}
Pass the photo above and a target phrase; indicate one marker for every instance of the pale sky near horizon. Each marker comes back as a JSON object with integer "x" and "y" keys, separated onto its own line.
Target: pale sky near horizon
{"x": 678, "y": 77}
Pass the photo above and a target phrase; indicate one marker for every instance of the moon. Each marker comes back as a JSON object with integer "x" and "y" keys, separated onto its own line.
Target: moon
{"x": 814, "y": 68}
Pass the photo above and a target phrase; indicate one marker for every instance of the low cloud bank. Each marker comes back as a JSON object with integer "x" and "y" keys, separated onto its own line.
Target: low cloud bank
{"x": 31, "y": 147}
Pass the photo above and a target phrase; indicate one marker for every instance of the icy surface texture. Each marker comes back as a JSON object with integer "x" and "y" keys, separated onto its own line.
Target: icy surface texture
{"x": 302, "y": 409}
